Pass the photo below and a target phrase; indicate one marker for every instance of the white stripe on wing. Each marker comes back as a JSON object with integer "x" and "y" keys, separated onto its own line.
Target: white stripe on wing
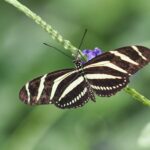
{"x": 57, "y": 81}
{"x": 71, "y": 86}
{"x": 139, "y": 53}
{"x": 123, "y": 57}
{"x": 28, "y": 92}
{"x": 101, "y": 76}
{"x": 106, "y": 64}
{"x": 41, "y": 87}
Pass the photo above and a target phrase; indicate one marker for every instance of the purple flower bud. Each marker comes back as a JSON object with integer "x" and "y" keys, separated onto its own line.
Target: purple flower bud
{"x": 92, "y": 53}
{"x": 98, "y": 51}
{"x": 86, "y": 51}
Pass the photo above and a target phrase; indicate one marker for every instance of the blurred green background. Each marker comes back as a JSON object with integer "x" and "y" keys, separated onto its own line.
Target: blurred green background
{"x": 109, "y": 124}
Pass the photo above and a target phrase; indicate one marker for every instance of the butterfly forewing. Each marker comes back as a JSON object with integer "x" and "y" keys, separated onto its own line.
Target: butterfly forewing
{"x": 127, "y": 60}
{"x": 41, "y": 90}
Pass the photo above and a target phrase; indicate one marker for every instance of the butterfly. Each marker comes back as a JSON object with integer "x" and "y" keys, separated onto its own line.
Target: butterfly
{"x": 103, "y": 76}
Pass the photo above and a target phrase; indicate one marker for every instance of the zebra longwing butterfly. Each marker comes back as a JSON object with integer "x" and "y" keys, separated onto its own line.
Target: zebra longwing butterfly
{"x": 104, "y": 75}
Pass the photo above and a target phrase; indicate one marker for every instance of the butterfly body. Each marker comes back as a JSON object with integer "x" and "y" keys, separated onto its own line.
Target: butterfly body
{"x": 104, "y": 75}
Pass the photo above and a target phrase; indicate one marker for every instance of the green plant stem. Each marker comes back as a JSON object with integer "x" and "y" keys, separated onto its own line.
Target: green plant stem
{"x": 67, "y": 44}
{"x": 137, "y": 96}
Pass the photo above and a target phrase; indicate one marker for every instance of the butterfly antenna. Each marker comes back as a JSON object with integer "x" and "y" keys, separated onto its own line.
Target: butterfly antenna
{"x": 82, "y": 39}
{"x": 57, "y": 50}
{"x": 79, "y": 53}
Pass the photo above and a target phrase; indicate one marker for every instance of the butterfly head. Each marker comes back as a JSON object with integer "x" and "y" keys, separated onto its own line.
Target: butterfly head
{"x": 78, "y": 63}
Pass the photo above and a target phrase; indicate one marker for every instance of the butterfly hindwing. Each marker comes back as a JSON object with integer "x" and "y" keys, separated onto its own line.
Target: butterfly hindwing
{"x": 105, "y": 81}
{"x": 74, "y": 95}
{"x": 108, "y": 87}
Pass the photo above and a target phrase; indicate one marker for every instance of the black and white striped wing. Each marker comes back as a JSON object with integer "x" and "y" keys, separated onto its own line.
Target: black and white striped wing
{"x": 64, "y": 88}
{"x": 109, "y": 73}
{"x": 104, "y": 75}
{"x": 74, "y": 94}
